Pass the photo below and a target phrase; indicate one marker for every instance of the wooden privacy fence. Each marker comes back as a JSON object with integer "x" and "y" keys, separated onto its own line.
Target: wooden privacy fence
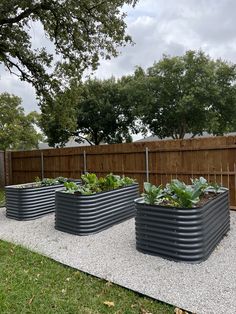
{"x": 159, "y": 161}
{"x": 2, "y": 169}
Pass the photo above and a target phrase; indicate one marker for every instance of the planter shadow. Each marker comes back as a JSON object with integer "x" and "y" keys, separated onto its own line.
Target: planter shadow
{"x": 88, "y": 214}
{"x": 30, "y": 202}
{"x": 182, "y": 234}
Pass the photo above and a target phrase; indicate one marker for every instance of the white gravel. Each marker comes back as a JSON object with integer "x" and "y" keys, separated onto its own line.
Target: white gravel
{"x": 207, "y": 288}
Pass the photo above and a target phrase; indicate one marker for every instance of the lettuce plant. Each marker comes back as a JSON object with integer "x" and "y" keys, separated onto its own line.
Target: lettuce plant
{"x": 71, "y": 187}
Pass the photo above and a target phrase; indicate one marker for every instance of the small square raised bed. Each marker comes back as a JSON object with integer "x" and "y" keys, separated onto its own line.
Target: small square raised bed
{"x": 30, "y": 201}
{"x": 182, "y": 234}
{"x": 87, "y": 214}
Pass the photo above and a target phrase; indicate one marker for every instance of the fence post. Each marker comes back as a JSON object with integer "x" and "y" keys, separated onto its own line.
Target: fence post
{"x": 85, "y": 162}
{"x": 42, "y": 166}
{"x": 147, "y": 164}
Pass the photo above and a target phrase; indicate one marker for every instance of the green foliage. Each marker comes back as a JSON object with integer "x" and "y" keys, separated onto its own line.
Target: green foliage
{"x": 112, "y": 182}
{"x": 152, "y": 193}
{"x": 215, "y": 186}
{"x": 177, "y": 193}
{"x": 187, "y": 94}
{"x": 81, "y": 32}
{"x": 71, "y": 187}
{"x": 185, "y": 195}
{"x": 2, "y": 198}
{"x": 126, "y": 181}
{"x": 61, "y": 179}
{"x": 17, "y": 129}
{"x": 200, "y": 184}
{"x": 91, "y": 184}
{"x": 50, "y": 181}
{"x": 97, "y": 110}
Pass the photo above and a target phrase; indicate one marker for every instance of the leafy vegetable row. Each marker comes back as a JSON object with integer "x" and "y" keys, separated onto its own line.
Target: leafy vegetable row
{"x": 91, "y": 184}
{"x": 50, "y": 181}
{"x": 177, "y": 193}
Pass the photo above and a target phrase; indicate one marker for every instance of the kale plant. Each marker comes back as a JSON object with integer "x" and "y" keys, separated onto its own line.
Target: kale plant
{"x": 152, "y": 193}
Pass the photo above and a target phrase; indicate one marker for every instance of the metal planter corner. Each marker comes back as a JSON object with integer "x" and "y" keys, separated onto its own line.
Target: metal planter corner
{"x": 182, "y": 234}
{"x": 30, "y": 202}
{"x": 88, "y": 214}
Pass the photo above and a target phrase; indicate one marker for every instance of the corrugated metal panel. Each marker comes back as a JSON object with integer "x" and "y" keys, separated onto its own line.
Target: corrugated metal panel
{"x": 188, "y": 234}
{"x": 83, "y": 215}
{"x": 30, "y": 202}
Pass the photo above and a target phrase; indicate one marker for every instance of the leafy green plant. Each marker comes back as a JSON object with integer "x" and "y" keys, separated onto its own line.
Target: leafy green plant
{"x": 152, "y": 193}
{"x": 177, "y": 193}
{"x": 92, "y": 184}
{"x": 61, "y": 180}
{"x": 110, "y": 182}
{"x": 184, "y": 195}
{"x": 71, "y": 187}
{"x": 127, "y": 181}
{"x": 200, "y": 183}
{"x": 214, "y": 186}
{"x": 49, "y": 181}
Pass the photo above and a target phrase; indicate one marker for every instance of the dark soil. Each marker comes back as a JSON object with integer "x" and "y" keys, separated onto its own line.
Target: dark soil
{"x": 206, "y": 198}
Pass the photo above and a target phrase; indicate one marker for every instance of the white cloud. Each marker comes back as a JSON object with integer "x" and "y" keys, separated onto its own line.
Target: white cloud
{"x": 157, "y": 27}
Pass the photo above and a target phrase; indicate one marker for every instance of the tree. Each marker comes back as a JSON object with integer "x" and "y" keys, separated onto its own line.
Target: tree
{"x": 96, "y": 110}
{"x": 81, "y": 32}
{"x": 190, "y": 94}
{"x": 16, "y": 129}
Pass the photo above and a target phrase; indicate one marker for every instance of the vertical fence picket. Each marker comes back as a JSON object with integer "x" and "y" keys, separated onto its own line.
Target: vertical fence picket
{"x": 147, "y": 164}
{"x": 85, "y": 161}
{"x": 42, "y": 166}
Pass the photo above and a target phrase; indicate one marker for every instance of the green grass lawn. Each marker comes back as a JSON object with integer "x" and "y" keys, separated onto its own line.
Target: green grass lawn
{"x": 2, "y": 198}
{"x": 32, "y": 283}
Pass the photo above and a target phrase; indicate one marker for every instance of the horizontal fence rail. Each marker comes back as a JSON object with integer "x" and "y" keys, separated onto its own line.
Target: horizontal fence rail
{"x": 157, "y": 162}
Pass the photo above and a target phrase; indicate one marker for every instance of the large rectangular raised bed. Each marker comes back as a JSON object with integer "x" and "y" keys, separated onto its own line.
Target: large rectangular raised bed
{"x": 182, "y": 234}
{"x": 88, "y": 214}
{"x": 26, "y": 202}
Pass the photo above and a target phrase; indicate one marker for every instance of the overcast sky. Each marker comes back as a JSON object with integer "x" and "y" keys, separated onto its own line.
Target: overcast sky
{"x": 157, "y": 27}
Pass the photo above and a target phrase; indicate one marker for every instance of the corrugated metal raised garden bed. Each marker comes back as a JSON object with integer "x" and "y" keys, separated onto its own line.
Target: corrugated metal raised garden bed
{"x": 83, "y": 214}
{"x": 32, "y": 200}
{"x": 182, "y": 234}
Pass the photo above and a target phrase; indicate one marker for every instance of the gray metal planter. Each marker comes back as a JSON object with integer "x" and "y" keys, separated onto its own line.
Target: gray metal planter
{"x": 182, "y": 234}
{"x": 88, "y": 214}
{"x": 26, "y": 203}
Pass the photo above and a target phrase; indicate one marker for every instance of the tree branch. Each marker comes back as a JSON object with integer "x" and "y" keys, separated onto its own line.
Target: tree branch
{"x": 24, "y": 14}
{"x": 82, "y": 139}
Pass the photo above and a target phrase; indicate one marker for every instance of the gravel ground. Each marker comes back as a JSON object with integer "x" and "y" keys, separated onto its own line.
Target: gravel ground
{"x": 206, "y": 288}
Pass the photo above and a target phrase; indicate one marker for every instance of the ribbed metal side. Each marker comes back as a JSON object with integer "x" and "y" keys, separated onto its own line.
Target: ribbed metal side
{"x": 30, "y": 202}
{"x": 84, "y": 215}
{"x": 188, "y": 234}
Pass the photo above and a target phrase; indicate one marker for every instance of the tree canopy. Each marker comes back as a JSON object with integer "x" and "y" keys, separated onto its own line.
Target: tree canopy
{"x": 188, "y": 94}
{"x": 16, "y": 129}
{"x": 81, "y": 32}
{"x": 96, "y": 110}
